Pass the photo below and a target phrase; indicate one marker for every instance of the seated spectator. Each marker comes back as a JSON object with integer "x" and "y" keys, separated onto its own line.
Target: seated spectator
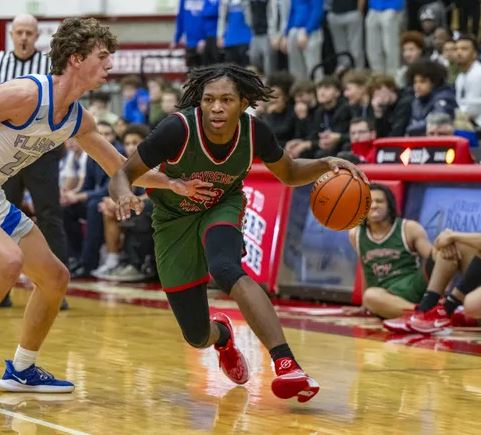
{"x": 99, "y": 108}
{"x": 440, "y": 36}
{"x": 468, "y": 81}
{"x": 439, "y": 124}
{"x": 356, "y": 91}
{"x": 330, "y": 126}
{"x": 361, "y": 136}
{"x": 279, "y": 113}
{"x": 390, "y": 107}
{"x": 305, "y": 104}
{"x": 129, "y": 269}
{"x": 454, "y": 252}
{"x": 412, "y": 49}
{"x": 389, "y": 249}
{"x": 432, "y": 94}
{"x": 448, "y": 59}
{"x": 168, "y": 102}
{"x": 72, "y": 168}
{"x": 83, "y": 206}
{"x": 431, "y": 16}
{"x": 156, "y": 87}
{"x": 135, "y": 99}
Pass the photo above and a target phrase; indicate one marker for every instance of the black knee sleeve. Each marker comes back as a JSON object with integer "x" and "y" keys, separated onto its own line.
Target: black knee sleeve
{"x": 223, "y": 247}
{"x": 472, "y": 277}
{"x": 191, "y": 309}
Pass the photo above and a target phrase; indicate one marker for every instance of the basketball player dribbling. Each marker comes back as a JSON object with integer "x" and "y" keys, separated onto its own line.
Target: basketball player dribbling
{"x": 215, "y": 140}
{"x": 38, "y": 113}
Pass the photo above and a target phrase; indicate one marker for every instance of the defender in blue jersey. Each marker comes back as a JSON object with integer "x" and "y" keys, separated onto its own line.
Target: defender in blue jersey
{"x": 37, "y": 114}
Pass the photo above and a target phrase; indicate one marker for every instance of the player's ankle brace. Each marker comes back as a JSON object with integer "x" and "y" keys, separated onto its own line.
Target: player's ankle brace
{"x": 472, "y": 277}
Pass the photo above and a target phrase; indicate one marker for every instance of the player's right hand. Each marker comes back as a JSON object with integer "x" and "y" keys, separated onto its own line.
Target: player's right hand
{"x": 125, "y": 204}
{"x": 195, "y": 188}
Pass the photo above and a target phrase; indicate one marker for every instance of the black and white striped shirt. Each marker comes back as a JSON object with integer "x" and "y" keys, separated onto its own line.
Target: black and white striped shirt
{"x": 11, "y": 66}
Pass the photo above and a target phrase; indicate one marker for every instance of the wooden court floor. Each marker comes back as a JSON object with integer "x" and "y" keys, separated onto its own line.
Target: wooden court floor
{"x": 135, "y": 375}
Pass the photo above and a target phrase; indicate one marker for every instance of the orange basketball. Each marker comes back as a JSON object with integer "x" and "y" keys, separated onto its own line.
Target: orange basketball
{"x": 340, "y": 202}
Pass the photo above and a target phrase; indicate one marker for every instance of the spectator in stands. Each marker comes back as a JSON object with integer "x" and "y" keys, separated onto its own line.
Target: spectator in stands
{"x": 120, "y": 127}
{"x": 361, "y": 130}
{"x": 431, "y": 16}
{"x": 347, "y": 29}
{"x": 72, "y": 168}
{"x": 440, "y": 36}
{"x": 356, "y": 91}
{"x": 330, "y": 125}
{"x": 304, "y": 37}
{"x": 279, "y": 115}
{"x": 449, "y": 60}
{"x": 469, "y": 10}
{"x": 454, "y": 252}
{"x": 129, "y": 269}
{"x": 305, "y": 104}
{"x": 439, "y": 124}
{"x": 468, "y": 81}
{"x": 432, "y": 94}
{"x": 412, "y": 49}
{"x": 156, "y": 86}
{"x": 277, "y": 22}
{"x": 189, "y": 23}
{"x": 84, "y": 205}
{"x": 135, "y": 99}
{"x": 210, "y": 17}
{"x": 168, "y": 102}
{"x": 233, "y": 33}
{"x": 389, "y": 249}
{"x": 383, "y": 25}
{"x": 260, "y": 50}
{"x": 391, "y": 108}
{"x": 99, "y": 108}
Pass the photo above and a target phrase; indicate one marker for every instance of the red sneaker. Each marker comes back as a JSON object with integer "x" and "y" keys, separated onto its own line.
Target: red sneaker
{"x": 430, "y": 321}
{"x": 231, "y": 360}
{"x": 399, "y": 324}
{"x": 292, "y": 381}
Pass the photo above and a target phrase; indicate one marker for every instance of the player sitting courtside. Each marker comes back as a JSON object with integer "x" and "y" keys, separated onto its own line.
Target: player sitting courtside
{"x": 214, "y": 139}
{"x": 390, "y": 249}
{"x": 455, "y": 252}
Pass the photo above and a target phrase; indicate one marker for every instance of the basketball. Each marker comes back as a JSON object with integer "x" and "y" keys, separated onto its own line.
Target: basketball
{"x": 338, "y": 201}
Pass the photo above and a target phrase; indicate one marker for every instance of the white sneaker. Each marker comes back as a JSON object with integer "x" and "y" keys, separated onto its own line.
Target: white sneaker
{"x": 102, "y": 271}
{"x": 126, "y": 273}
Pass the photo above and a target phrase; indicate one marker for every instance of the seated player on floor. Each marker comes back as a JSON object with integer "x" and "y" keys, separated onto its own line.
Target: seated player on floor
{"x": 390, "y": 250}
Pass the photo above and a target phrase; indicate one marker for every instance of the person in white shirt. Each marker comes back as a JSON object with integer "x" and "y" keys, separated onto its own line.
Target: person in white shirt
{"x": 468, "y": 81}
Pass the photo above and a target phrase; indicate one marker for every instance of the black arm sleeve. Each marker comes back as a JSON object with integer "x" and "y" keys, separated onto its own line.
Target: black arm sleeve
{"x": 164, "y": 142}
{"x": 266, "y": 146}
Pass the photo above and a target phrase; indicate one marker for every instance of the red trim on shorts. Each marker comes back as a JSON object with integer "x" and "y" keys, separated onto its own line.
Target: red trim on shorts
{"x": 182, "y": 287}
{"x": 217, "y": 224}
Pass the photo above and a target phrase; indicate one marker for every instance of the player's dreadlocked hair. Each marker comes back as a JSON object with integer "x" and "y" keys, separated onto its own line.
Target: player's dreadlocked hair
{"x": 248, "y": 84}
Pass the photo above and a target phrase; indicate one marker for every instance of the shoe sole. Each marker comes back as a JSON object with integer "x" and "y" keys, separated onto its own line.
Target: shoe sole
{"x": 14, "y": 386}
{"x": 302, "y": 386}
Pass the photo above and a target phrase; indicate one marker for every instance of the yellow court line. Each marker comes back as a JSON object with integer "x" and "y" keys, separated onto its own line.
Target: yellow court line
{"x": 42, "y": 422}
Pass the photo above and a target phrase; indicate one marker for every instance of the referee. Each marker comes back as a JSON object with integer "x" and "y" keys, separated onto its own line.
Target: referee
{"x": 42, "y": 177}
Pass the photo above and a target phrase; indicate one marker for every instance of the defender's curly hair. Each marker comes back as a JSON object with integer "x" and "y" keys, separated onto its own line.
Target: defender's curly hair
{"x": 248, "y": 84}
{"x": 78, "y": 36}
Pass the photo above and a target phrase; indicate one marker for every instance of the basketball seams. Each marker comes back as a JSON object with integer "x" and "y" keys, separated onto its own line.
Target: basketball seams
{"x": 359, "y": 203}
{"x": 339, "y": 196}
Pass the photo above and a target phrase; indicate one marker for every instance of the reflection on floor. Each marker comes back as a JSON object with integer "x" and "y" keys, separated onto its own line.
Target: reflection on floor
{"x": 135, "y": 375}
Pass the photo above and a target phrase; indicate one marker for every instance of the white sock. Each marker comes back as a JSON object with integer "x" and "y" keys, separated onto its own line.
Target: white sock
{"x": 112, "y": 259}
{"x": 24, "y": 358}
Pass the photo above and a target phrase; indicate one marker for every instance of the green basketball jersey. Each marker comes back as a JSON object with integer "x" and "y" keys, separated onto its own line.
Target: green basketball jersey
{"x": 196, "y": 161}
{"x": 386, "y": 261}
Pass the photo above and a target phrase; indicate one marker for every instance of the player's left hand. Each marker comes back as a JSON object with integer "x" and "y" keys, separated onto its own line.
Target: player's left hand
{"x": 336, "y": 163}
{"x": 192, "y": 188}
{"x": 125, "y": 204}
